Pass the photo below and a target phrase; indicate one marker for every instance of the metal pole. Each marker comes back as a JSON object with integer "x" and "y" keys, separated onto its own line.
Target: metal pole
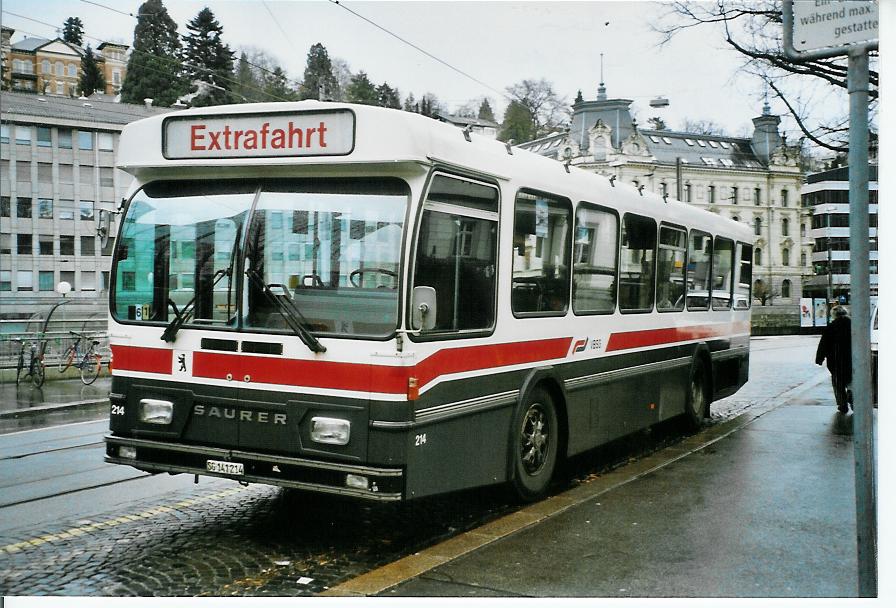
{"x": 830, "y": 270}
{"x": 860, "y": 300}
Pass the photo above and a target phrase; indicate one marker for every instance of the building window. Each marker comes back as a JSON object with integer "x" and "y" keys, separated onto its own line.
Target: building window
{"x": 85, "y": 173}
{"x": 785, "y": 198}
{"x": 785, "y": 256}
{"x": 4, "y": 133}
{"x": 45, "y": 280}
{"x": 45, "y": 244}
{"x": 25, "y": 280}
{"x": 687, "y": 193}
{"x": 23, "y": 171}
{"x": 735, "y": 218}
{"x": 5, "y": 280}
{"x": 88, "y": 280}
{"x": 106, "y": 177}
{"x": 66, "y": 213}
{"x": 68, "y": 276}
{"x": 44, "y": 138}
{"x": 785, "y": 227}
{"x": 45, "y": 208}
{"x": 85, "y": 140}
{"x": 757, "y": 196}
{"x": 104, "y": 141}
{"x": 785, "y": 288}
{"x": 60, "y": 68}
{"x": 757, "y": 226}
{"x": 60, "y": 87}
{"x": 712, "y": 195}
{"x": 4, "y": 244}
{"x": 757, "y": 257}
{"x": 803, "y": 258}
{"x": 44, "y": 173}
{"x": 116, "y": 77}
{"x": 734, "y": 194}
{"x": 128, "y": 281}
{"x": 23, "y": 134}
{"x": 23, "y": 208}
{"x": 65, "y": 138}
{"x": 5, "y": 206}
{"x": 66, "y": 175}
{"x": 45, "y": 67}
{"x": 86, "y": 208}
{"x": 88, "y": 245}
{"x": 72, "y": 71}
{"x": 67, "y": 244}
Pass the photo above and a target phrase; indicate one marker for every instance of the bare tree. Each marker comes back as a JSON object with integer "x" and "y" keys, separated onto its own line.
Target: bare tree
{"x": 703, "y": 127}
{"x": 547, "y": 110}
{"x": 753, "y": 28}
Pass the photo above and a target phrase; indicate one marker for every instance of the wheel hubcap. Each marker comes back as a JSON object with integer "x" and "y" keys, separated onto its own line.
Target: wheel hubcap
{"x": 534, "y": 439}
{"x": 696, "y": 396}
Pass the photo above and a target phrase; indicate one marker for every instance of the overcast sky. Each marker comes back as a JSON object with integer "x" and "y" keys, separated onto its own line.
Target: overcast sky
{"x": 498, "y": 43}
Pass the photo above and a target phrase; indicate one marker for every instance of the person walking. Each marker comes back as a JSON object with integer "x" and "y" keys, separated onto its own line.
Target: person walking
{"x": 836, "y": 346}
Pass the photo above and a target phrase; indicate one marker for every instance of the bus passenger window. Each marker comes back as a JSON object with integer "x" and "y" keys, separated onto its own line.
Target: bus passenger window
{"x": 540, "y": 254}
{"x": 670, "y": 269}
{"x": 456, "y": 253}
{"x": 699, "y": 271}
{"x": 595, "y": 252}
{"x": 722, "y": 273}
{"x": 636, "y": 263}
{"x": 742, "y": 293}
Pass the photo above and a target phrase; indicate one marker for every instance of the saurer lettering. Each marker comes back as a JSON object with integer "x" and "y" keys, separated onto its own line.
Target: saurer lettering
{"x": 230, "y": 413}
{"x": 265, "y": 138}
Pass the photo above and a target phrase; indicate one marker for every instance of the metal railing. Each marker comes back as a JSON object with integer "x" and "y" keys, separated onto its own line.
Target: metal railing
{"x": 51, "y": 330}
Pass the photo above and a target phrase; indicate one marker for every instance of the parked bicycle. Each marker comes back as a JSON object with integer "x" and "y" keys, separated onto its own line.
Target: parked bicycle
{"x": 35, "y": 368}
{"x": 85, "y": 359}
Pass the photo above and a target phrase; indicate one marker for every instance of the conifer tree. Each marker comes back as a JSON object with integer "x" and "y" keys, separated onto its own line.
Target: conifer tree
{"x": 410, "y": 104}
{"x": 73, "y": 31}
{"x": 388, "y": 97}
{"x": 247, "y": 85}
{"x": 277, "y": 86}
{"x": 153, "y": 67}
{"x": 319, "y": 81}
{"x": 208, "y": 60}
{"x": 361, "y": 90}
{"x": 518, "y": 123}
{"x": 91, "y": 76}
{"x": 485, "y": 111}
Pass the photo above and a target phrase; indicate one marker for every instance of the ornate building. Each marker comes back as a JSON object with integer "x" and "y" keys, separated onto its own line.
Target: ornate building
{"x": 53, "y": 67}
{"x": 755, "y": 180}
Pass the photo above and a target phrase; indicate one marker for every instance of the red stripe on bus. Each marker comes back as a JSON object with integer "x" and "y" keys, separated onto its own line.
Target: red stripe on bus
{"x": 375, "y": 378}
{"x": 667, "y": 335}
{"x": 142, "y": 359}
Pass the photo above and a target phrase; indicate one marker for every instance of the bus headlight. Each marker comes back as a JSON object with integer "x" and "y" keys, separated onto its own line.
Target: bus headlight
{"x": 156, "y": 411}
{"x": 333, "y": 431}
{"x": 128, "y": 452}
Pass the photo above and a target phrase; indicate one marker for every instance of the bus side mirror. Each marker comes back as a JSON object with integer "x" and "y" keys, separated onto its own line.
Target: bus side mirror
{"x": 423, "y": 308}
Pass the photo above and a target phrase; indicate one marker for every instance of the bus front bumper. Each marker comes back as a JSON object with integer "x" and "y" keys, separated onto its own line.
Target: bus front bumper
{"x": 371, "y": 483}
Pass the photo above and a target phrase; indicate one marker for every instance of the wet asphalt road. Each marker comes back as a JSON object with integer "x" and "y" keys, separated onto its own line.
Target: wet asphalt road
{"x": 72, "y": 525}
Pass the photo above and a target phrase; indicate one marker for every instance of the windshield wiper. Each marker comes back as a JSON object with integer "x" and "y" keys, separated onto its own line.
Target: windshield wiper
{"x": 184, "y": 314}
{"x": 289, "y": 311}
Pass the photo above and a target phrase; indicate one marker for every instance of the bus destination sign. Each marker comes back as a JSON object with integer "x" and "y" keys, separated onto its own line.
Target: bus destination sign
{"x": 285, "y": 134}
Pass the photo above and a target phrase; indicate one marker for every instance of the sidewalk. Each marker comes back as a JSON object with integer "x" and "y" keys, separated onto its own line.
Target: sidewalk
{"x": 759, "y": 506}
{"x": 57, "y": 401}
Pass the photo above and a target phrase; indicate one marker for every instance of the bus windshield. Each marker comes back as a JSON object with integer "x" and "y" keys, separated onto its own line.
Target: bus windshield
{"x": 330, "y": 247}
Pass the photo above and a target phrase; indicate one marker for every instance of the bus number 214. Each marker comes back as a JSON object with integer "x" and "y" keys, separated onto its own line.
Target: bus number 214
{"x": 419, "y": 440}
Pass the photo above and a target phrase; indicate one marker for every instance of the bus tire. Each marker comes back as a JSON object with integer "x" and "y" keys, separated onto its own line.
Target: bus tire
{"x": 697, "y": 401}
{"x": 534, "y": 443}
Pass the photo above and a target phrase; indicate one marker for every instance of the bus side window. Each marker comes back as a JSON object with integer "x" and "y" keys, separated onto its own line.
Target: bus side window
{"x": 541, "y": 234}
{"x": 595, "y": 253}
{"x": 670, "y": 269}
{"x": 636, "y": 263}
{"x": 722, "y": 273}
{"x": 457, "y": 253}
{"x": 699, "y": 270}
{"x": 742, "y": 294}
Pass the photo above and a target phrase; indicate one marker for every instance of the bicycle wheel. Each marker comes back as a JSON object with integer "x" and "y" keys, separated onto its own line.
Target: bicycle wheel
{"x": 38, "y": 372}
{"x": 90, "y": 367}
{"x": 67, "y": 357}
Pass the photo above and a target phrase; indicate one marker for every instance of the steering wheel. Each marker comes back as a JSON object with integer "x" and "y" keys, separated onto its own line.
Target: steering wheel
{"x": 352, "y": 277}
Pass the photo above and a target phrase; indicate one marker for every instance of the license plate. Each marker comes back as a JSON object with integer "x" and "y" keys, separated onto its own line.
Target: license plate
{"x": 227, "y": 468}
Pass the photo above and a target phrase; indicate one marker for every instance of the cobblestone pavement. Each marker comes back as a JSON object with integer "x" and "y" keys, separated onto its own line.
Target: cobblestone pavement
{"x": 264, "y": 541}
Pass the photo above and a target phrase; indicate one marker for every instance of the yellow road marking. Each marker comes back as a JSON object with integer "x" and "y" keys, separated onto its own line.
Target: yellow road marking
{"x": 112, "y": 522}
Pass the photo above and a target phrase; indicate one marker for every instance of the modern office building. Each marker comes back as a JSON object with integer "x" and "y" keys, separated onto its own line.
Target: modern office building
{"x": 53, "y": 67}
{"x": 754, "y": 180}
{"x": 827, "y": 194}
{"x": 57, "y": 181}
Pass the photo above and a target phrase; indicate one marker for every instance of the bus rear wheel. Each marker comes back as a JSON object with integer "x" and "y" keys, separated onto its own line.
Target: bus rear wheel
{"x": 534, "y": 443}
{"x": 697, "y": 397}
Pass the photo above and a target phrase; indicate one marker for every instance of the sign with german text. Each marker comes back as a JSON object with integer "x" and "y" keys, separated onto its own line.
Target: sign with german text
{"x": 819, "y": 24}
{"x": 285, "y": 134}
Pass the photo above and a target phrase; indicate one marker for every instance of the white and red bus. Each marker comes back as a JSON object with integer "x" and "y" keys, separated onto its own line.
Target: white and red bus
{"x": 364, "y": 301}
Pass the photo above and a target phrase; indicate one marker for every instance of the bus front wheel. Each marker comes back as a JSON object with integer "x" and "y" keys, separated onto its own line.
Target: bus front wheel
{"x": 534, "y": 442}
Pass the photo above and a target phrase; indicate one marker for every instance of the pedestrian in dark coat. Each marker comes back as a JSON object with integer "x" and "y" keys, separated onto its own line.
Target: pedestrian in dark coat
{"x": 836, "y": 347}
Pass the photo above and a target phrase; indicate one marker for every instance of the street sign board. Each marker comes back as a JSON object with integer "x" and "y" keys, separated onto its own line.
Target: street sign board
{"x": 820, "y": 24}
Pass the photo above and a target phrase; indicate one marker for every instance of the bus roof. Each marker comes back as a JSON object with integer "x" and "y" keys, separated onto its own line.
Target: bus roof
{"x": 312, "y": 133}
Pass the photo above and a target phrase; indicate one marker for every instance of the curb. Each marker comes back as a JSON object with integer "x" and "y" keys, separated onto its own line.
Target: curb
{"x": 388, "y": 576}
{"x": 49, "y": 409}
